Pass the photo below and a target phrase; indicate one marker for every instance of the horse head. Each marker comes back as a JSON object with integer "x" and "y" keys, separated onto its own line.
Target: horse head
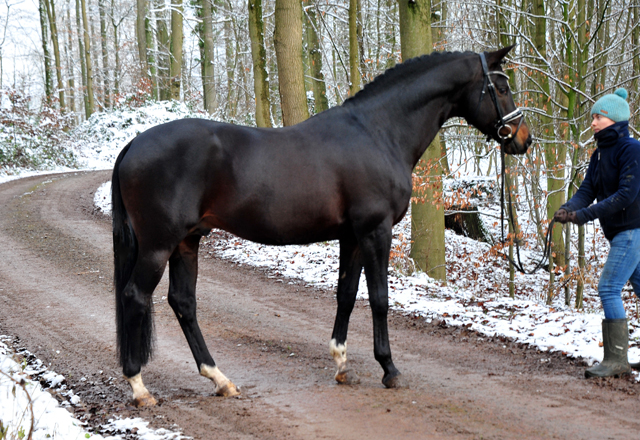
{"x": 491, "y": 106}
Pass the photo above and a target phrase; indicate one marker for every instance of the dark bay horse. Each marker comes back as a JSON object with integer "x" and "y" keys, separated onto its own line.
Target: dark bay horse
{"x": 343, "y": 174}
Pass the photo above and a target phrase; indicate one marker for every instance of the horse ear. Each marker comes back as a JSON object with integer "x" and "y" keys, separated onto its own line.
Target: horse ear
{"x": 494, "y": 58}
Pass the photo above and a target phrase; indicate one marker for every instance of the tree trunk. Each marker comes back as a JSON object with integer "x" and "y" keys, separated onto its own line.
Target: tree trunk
{"x": 208, "y": 79}
{"x": 427, "y": 210}
{"x": 67, "y": 53}
{"x": 391, "y": 34}
{"x": 510, "y": 177}
{"x": 360, "y": 38}
{"x": 116, "y": 76}
{"x": 259, "y": 57}
{"x": 601, "y": 40}
{"x": 177, "y": 38}
{"x": 116, "y": 72}
{"x": 48, "y": 82}
{"x": 231, "y": 60}
{"x": 354, "y": 58}
{"x": 288, "y": 45}
{"x": 83, "y": 64}
{"x": 151, "y": 57}
{"x": 315, "y": 59}
{"x": 106, "y": 81}
{"x": 555, "y": 154}
{"x": 163, "y": 56}
{"x": 87, "y": 55}
{"x": 141, "y": 36}
{"x": 575, "y": 107}
{"x": 51, "y": 14}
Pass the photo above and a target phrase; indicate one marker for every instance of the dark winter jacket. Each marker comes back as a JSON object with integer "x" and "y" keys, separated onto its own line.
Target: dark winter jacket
{"x": 613, "y": 178}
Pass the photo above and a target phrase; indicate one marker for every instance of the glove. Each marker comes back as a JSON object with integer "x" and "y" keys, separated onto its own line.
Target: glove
{"x": 562, "y": 216}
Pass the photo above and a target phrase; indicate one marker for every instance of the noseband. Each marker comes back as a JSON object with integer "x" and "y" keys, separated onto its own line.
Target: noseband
{"x": 503, "y": 120}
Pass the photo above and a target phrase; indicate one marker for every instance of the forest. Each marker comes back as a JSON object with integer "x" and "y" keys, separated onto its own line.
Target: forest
{"x": 278, "y": 62}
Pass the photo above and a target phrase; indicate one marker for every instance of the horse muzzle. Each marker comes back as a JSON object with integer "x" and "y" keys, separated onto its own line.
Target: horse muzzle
{"x": 513, "y": 133}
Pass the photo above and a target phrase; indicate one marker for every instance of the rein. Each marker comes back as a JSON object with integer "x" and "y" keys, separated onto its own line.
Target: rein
{"x": 501, "y": 123}
{"x": 547, "y": 239}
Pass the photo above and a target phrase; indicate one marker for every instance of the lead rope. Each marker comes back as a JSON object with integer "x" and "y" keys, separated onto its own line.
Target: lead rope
{"x": 548, "y": 237}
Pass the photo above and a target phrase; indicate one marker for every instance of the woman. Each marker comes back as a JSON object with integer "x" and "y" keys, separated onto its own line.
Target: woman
{"x": 613, "y": 178}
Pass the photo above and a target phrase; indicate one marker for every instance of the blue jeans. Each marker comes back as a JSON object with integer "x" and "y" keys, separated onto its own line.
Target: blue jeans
{"x": 623, "y": 264}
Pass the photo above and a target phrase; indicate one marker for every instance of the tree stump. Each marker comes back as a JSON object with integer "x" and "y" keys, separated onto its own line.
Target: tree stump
{"x": 467, "y": 222}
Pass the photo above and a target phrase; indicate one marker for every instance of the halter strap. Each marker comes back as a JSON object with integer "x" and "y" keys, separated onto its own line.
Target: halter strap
{"x": 503, "y": 120}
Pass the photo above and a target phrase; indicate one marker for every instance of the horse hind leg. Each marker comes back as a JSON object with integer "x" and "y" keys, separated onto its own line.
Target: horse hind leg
{"x": 136, "y": 322}
{"x": 141, "y": 395}
{"x": 348, "y": 280}
{"x": 183, "y": 273}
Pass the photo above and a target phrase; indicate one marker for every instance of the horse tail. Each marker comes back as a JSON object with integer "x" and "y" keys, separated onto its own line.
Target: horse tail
{"x": 125, "y": 254}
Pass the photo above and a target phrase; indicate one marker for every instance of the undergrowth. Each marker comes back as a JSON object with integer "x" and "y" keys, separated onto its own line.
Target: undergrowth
{"x": 16, "y": 429}
{"x": 31, "y": 139}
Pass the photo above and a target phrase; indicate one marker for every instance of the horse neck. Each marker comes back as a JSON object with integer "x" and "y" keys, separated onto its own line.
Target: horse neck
{"x": 408, "y": 115}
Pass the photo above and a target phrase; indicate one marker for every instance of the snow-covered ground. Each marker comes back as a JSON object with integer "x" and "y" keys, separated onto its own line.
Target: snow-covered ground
{"x": 27, "y": 405}
{"x": 476, "y": 294}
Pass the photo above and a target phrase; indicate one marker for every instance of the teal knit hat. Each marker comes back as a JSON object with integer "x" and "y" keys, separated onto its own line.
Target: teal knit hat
{"x": 613, "y": 106}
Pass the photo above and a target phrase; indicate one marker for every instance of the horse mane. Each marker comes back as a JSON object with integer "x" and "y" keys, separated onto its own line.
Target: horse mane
{"x": 400, "y": 72}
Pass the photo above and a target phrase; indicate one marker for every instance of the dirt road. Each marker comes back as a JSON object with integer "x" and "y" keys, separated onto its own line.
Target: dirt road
{"x": 271, "y": 338}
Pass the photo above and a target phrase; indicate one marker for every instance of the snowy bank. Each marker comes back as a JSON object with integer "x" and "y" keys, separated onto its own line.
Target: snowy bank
{"x": 28, "y": 406}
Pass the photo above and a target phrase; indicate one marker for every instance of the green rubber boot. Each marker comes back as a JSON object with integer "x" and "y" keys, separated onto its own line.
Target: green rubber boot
{"x": 615, "y": 338}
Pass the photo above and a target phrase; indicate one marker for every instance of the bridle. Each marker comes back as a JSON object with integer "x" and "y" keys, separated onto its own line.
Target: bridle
{"x": 501, "y": 123}
{"x": 503, "y": 120}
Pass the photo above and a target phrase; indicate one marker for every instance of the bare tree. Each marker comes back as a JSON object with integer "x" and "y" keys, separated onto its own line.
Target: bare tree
{"x": 259, "y": 55}
{"x": 427, "y": 211}
{"x": 315, "y": 58}
{"x": 354, "y": 47}
{"x": 177, "y": 37}
{"x": 90, "y": 104}
{"x": 106, "y": 83}
{"x": 208, "y": 72}
{"x": 288, "y": 45}
{"x": 53, "y": 26}
{"x": 44, "y": 25}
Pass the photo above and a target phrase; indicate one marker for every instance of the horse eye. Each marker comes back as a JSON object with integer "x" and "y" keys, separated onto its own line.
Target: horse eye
{"x": 503, "y": 90}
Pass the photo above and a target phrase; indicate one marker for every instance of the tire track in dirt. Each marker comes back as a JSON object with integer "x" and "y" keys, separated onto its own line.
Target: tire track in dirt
{"x": 271, "y": 338}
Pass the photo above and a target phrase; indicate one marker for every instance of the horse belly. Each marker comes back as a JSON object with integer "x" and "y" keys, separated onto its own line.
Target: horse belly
{"x": 278, "y": 220}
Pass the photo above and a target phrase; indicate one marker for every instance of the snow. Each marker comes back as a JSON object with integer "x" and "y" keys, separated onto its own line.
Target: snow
{"x": 475, "y": 296}
{"x": 98, "y": 141}
{"x": 23, "y": 399}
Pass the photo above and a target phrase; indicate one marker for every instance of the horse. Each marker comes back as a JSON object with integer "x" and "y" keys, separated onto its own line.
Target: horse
{"x": 344, "y": 174}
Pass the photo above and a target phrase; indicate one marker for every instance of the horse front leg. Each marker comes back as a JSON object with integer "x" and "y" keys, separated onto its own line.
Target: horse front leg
{"x": 348, "y": 280}
{"x": 376, "y": 247}
{"x": 183, "y": 274}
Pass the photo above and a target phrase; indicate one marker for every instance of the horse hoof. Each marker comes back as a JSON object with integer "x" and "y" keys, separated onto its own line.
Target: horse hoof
{"x": 347, "y": 377}
{"x": 397, "y": 381}
{"x": 229, "y": 390}
{"x": 146, "y": 400}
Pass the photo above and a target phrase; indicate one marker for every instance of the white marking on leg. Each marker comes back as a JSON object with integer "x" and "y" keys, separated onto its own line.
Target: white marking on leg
{"x": 344, "y": 375}
{"x": 339, "y": 354}
{"x": 224, "y": 387}
{"x": 141, "y": 396}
